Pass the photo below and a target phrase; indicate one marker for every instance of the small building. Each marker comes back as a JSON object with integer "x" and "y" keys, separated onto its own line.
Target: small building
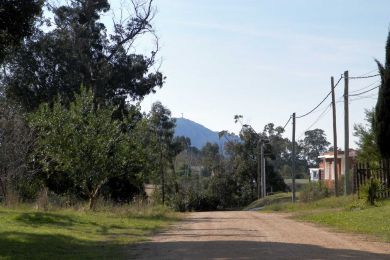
{"x": 325, "y": 171}
{"x": 315, "y": 174}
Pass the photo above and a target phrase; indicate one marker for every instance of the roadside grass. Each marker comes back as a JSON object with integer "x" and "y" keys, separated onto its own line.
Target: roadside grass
{"x": 330, "y": 203}
{"x": 343, "y": 214}
{"x": 269, "y": 200}
{"x": 299, "y": 183}
{"x": 26, "y": 233}
{"x": 371, "y": 220}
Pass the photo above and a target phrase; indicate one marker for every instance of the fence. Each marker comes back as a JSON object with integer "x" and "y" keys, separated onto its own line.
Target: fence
{"x": 364, "y": 171}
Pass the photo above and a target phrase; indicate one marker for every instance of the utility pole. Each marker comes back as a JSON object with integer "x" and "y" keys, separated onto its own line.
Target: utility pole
{"x": 293, "y": 158}
{"x": 346, "y": 135}
{"x": 263, "y": 170}
{"x": 162, "y": 175}
{"x": 258, "y": 169}
{"x": 336, "y": 182}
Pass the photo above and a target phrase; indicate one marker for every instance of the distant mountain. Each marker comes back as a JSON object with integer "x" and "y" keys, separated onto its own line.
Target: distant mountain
{"x": 199, "y": 134}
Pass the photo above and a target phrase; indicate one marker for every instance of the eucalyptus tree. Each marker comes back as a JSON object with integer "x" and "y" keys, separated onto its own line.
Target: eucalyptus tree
{"x": 79, "y": 47}
{"x": 313, "y": 145}
{"x": 161, "y": 139}
{"x": 17, "y": 20}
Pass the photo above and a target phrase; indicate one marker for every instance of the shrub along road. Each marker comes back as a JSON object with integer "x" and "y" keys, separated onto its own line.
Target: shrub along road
{"x": 252, "y": 235}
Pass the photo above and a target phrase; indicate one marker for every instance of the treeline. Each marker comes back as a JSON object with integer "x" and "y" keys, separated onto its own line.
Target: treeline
{"x": 210, "y": 178}
{"x": 69, "y": 101}
{"x": 71, "y": 124}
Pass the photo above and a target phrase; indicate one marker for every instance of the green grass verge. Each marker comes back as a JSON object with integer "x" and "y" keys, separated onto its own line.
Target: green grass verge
{"x": 69, "y": 234}
{"x": 343, "y": 214}
{"x": 269, "y": 200}
{"x": 371, "y": 220}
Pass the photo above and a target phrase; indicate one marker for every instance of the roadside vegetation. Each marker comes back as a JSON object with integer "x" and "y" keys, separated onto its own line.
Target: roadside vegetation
{"x": 274, "y": 199}
{"x": 342, "y": 213}
{"x": 72, "y": 132}
{"x": 107, "y": 233}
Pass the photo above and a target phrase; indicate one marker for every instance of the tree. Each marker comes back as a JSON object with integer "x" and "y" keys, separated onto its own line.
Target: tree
{"x": 368, "y": 148}
{"x": 16, "y": 22}
{"x": 16, "y": 142}
{"x": 85, "y": 143}
{"x": 382, "y": 111}
{"x": 162, "y": 127}
{"x": 211, "y": 158}
{"x": 314, "y": 144}
{"x": 78, "y": 49}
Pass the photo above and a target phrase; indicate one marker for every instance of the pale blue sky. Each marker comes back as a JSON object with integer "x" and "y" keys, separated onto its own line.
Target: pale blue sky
{"x": 266, "y": 59}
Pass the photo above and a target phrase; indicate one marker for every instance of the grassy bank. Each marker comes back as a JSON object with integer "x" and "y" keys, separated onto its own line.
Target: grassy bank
{"x": 343, "y": 214}
{"x": 68, "y": 234}
{"x": 269, "y": 200}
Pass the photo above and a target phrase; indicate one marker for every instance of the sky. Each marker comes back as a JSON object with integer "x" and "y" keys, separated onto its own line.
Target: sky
{"x": 267, "y": 59}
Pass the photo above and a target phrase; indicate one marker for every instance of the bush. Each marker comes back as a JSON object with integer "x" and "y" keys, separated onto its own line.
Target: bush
{"x": 370, "y": 191}
{"x": 313, "y": 191}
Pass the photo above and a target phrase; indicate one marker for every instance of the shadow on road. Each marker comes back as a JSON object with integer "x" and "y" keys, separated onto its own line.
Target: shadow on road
{"x": 245, "y": 250}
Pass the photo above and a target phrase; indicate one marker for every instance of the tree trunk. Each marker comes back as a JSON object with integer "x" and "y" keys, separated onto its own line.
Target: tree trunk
{"x": 92, "y": 202}
{"x": 3, "y": 188}
{"x": 94, "y": 195}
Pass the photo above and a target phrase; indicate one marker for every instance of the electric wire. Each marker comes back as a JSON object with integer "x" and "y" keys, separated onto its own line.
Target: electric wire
{"x": 315, "y": 108}
{"x": 284, "y": 127}
{"x": 364, "y": 77}
{"x": 366, "y": 87}
{"x": 365, "y": 74}
{"x": 364, "y": 92}
{"x": 363, "y": 97}
{"x": 324, "y": 112}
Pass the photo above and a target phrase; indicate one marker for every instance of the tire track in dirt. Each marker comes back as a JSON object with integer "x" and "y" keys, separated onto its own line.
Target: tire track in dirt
{"x": 251, "y": 235}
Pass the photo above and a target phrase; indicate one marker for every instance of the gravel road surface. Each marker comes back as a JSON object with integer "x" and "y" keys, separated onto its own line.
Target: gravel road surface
{"x": 252, "y": 235}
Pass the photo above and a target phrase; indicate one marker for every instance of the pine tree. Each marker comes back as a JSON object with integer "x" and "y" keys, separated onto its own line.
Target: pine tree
{"x": 382, "y": 120}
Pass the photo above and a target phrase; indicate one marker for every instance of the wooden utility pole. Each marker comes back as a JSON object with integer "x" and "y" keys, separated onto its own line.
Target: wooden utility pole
{"x": 346, "y": 135}
{"x": 258, "y": 169}
{"x": 263, "y": 171}
{"x": 293, "y": 158}
{"x": 336, "y": 182}
{"x": 162, "y": 176}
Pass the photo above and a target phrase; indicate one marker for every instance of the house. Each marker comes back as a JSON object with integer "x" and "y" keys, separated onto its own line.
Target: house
{"x": 325, "y": 171}
{"x": 315, "y": 174}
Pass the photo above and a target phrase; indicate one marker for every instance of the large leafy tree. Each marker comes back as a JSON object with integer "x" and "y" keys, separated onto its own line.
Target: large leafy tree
{"x": 313, "y": 145}
{"x": 80, "y": 49}
{"x": 243, "y": 158}
{"x": 382, "y": 110}
{"x": 16, "y": 22}
{"x": 84, "y": 142}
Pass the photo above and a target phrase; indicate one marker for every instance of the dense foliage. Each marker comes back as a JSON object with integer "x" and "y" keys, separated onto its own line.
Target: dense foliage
{"x": 368, "y": 148}
{"x": 71, "y": 124}
{"x": 16, "y": 22}
{"x": 77, "y": 48}
{"x": 313, "y": 145}
{"x": 84, "y": 142}
{"x": 382, "y": 112}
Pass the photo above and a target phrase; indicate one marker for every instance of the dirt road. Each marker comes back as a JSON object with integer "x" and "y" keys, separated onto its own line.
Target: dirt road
{"x": 251, "y": 235}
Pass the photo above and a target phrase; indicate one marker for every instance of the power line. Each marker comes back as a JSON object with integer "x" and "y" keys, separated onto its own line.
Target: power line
{"x": 373, "y": 97}
{"x": 360, "y": 89}
{"x": 326, "y": 111}
{"x": 365, "y": 74}
{"x": 287, "y": 122}
{"x": 315, "y": 108}
{"x": 364, "y": 77}
{"x": 358, "y": 94}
